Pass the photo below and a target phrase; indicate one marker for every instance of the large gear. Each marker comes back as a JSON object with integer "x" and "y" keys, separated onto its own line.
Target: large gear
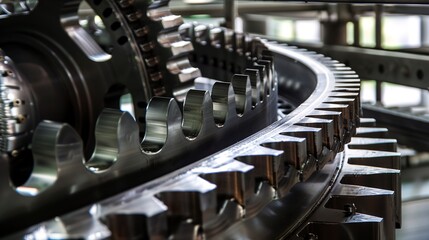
{"x": 208, "y": 161}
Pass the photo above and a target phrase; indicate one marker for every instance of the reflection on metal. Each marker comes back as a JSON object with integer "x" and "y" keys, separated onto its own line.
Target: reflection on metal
{"x": 256, "y": 153}
{"x": 226, "y": 194}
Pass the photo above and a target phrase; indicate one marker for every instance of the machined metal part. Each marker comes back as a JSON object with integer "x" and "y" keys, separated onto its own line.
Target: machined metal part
{"x": 232, "y": 193}
{"x": 118, "y": 154}
{"x": 49, "y": 138}
{"x": 209, "y": 161}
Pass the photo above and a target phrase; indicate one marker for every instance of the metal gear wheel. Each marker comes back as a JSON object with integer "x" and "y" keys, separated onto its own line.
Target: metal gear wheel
{"x": 209, "y": 161}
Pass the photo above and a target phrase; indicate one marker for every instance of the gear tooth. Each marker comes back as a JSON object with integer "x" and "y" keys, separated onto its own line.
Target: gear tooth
{"x": 141, "y": 32}
{"x": 186, "y": 30}
{"x": 151, "y": 62}
{"x": 331, "y": 62}
{"x": 269, "y": 71}
{"x": 367, "y": 122}
{"x": 268, "y": 55}
{"x": 240, "y": 43}
{"x": 346, "y": 75}
{"x": 162, "y": 116}
{"x": 156, "y": 76}
{"x": 354, "y": 107}
{"x": 142, "y": 218}
{"x": 243, "y": 93}
{"x": 171, "y": 21}
{"x": 333, "y": 224}
{"x": 344, "y": 70}
{"x": 373, "y": 201}
{"x": 159, "y": 91}
{"x": 48, "y": 156}
{"x": 268, "y": 163}
{"x": 335, "y": 116}
{"x": 223, "y": 99}
{"x": 190, "y": 200}
{"x": 168, "y": 38}
{"x": 202, "y": 34}
{"x": 347, "y": 85}
{"x": 117, "y": 133}
{"x": 134, "y": 16}
{"x": 189, "y": 74}
{"x": 346, "y": 89}
{"x": 233, "y": 180}
{"x": 354, "y": 95}
{"x": 347, "y": 80}
{"x": 374, "y": 158}
{"x": 217, "y": 37}
{"x": 197, "y": 113}
{"x": 263, "y": 77}
{"x": 327, "y": 130}
{"x": 345, "y": 113}
{"x": 181, "y": 47}
{"x": 156, "y": 13}
{"x": 295, "y": 150}
{"x": 229, "y": 39}
{"x": 356, "y": 103}
{"x": 335, "y": 64}
{"x": 312, "y": 135}
{"x": 378, "y": 144}
{"x": 146, "y": 47}
{"x": 255, "y": 83}
{"x": 373, "y": 132}
{"x": 176, "y": 66}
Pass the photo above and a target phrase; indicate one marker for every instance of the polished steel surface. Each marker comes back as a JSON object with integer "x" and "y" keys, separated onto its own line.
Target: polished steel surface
{"x": 257, "y": 148}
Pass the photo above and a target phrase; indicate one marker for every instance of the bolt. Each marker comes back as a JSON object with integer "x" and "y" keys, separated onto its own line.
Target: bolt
{"x": 17, "y": 102}
{"x": 7, "y": 73}
{"x": 14, "y": 153}
{"x": 20, "y": 118}
{"x": 350, "y": 209}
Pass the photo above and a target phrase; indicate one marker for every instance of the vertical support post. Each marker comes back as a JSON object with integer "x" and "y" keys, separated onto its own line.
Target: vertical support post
{"x": 334, "y": 28}
{"x": 378, "y": 91}
{"x": 424, "y": 37}
{"x": 378, "y": 26}
{"x": 356, "y": 31}
{"x": 230, "y": 9}
{"x": 378, "y": 45}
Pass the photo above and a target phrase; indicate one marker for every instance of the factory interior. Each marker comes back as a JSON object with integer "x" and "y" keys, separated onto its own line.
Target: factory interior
{"x": 214, "y": 119}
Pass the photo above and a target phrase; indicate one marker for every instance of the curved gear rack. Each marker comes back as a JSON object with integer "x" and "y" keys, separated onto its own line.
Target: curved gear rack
{"x": 290, "y": 179}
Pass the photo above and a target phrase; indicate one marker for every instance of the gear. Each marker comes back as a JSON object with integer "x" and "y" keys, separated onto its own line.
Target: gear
{"x": 213, "y": 145}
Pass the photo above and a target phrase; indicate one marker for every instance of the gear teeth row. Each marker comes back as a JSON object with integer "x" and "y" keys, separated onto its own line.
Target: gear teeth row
{"x": 234, "y": 185}
{"x": 204, "y": 115}
{"x": 227, "y": 52}
{"x": 203, "y": 111}
{"x": 368, "y": 193}
{"x": 164, "y": 51}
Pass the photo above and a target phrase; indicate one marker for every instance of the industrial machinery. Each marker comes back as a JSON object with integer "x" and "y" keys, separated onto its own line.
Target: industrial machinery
{"x": 230, "y": 135}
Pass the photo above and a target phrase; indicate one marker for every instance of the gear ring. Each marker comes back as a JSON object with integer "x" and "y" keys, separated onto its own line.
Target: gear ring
{"x": 307, "y": 146}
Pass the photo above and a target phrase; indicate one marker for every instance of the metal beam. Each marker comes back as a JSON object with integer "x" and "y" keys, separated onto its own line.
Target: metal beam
{"x": 389, "y": 66}
{"x": 244, "y": 7}
{"x": 410, "y": 130}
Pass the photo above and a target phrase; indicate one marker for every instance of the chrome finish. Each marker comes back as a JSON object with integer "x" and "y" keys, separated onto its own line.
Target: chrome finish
{"x": 205, "y": 156}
